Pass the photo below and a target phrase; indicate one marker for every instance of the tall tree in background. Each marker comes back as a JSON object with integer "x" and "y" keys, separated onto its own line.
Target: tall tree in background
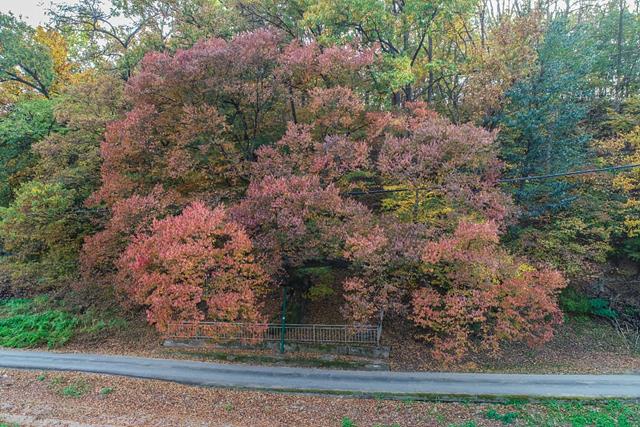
{"x": 542, "y": 124}
{"x": 404, "y": 30}
{"x": 115, "y": 37}
{"x": 26, "y": 123}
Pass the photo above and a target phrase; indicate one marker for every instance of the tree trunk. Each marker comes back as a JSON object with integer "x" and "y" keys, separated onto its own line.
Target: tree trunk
{"x": 620, "y": 39}
{"x": 430, "y": 58}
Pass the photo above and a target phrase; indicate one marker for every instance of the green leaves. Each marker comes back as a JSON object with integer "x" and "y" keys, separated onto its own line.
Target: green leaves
{"x": 26, "y": 123}
{"x": 23, "y": 59}
{"x": 542, "y": 124}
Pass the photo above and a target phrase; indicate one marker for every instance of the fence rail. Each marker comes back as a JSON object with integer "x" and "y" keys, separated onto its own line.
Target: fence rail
{"x": 253, "y": 333}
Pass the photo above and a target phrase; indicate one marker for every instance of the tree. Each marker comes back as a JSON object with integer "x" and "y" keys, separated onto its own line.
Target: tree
{"x": 194, "y": 266}
{"x": 615, "y": 32}
{"x": 480, "y": 296}
{"x": 295, "y": 220}
{"x": 116, "y": 36}
{"x": 26, "y": 56}
{"x": 505, "y": 55}
{"x": 542, "y": 128}
{"x": 59, "y": 52}
{"x": 42, "y": 233}
{"x": 193, "y": 115}
{"x": 199, "y": 115}
{"x": 451, "y": 169}
{"x": 403, "y": 30}
{"x": 72, "y": 156}
{"x": 128, "y": 217}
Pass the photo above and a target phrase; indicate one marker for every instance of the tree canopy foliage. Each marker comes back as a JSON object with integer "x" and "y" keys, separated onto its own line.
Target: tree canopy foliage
{"x": 200, "y": 157}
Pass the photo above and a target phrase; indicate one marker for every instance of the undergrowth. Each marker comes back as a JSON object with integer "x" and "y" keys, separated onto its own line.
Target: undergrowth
{"x": 37, "y": 322}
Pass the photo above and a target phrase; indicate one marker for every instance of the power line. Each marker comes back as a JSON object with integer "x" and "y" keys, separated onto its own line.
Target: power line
{"x": 506, "y": 180}
{"x": 582, "y": 172}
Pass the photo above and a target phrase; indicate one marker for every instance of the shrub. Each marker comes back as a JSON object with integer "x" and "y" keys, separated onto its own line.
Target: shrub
{"x": 194, "y": 266}
{"x": 576, "y": 303}
{"x": 479, "y": 295}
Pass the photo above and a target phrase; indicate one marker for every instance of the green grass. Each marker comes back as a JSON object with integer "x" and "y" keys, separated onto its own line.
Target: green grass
{"x": 550, "y": 413}
{"x": 36, "y": 322}
{"x": 506, "y": 418}
{"x": 63, "y": 387}
{"x": 346, "y": 422}
{"x": 74, "y": 390}
{"x": 562, "y": 413}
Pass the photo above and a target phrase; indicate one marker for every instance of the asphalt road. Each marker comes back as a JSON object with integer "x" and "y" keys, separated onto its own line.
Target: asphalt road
{"x": 416, "y": 384}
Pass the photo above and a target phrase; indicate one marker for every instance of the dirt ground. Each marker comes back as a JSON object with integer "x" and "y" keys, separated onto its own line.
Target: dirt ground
{"x": 580, "y": 345}
{"x": 34, "y": 398}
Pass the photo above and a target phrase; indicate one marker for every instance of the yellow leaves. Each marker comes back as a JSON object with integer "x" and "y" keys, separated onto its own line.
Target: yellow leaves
{"x": 633, "y": 226}
{"x": 625, "y": 183}
{"x": 632, "y": 217}
{"x": 59, "y": 54}
{"x": 623, "y": 150}
{"x": 431, "y": 206}
{"x": 10, "y": 92}
{"x": 524, "y": 268}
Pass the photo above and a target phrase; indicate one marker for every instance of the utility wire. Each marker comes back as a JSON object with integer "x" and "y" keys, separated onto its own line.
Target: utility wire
{"x": 582, "y": 172}
{"x": 507, "y": 180}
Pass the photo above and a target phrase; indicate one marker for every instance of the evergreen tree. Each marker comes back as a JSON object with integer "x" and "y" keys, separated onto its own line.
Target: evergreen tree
{"x": 541, "y": 125}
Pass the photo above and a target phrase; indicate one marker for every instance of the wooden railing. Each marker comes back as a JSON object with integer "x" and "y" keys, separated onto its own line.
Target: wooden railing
{"x": 258, "y": 332}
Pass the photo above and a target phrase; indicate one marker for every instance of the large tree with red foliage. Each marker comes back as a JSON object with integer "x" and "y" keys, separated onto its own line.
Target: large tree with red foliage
{"x": 442, "y": 266}
{"x": 289, "y": 119}
{"x": 198, "y": 116}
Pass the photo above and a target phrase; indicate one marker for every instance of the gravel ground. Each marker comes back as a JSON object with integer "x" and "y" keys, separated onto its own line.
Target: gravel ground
{"x": 30, "y": 398}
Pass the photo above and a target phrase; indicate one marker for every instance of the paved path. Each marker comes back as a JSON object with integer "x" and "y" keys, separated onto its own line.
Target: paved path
{"x": 320, "y": 380}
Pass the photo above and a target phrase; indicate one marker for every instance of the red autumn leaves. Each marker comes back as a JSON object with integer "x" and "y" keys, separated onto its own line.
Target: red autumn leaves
{"x": 230, "y": 173}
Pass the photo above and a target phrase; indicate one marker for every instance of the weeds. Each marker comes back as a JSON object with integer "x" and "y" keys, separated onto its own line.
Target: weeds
{"x": 77, "y": 388}
{"x": 507, "y": 418}
{"x": 21, "y": 328}
{"x": 346, "y": 422}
